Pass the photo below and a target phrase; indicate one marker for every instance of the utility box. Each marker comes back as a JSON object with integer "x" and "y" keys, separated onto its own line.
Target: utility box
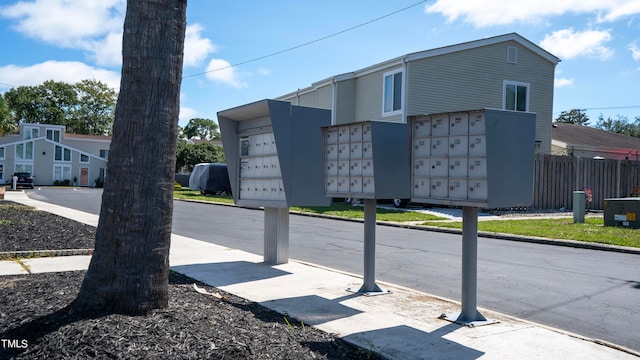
{"x": 273, "y": 153}
{"x": 366, "y": 160}
{"x": 478, "y": 158}
{"x": 622, "y": 212}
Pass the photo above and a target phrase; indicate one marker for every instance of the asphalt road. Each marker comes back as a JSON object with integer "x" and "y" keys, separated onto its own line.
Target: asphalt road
{"x": 588, "y": 292}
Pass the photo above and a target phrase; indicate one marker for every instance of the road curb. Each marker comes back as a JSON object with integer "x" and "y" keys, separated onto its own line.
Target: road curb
{"x": 485, "y": 234}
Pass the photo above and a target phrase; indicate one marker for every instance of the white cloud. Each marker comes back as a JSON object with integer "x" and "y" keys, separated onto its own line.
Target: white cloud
{"x": 92, "y": 26}
{"x": 196, "y": 48}
{"x": 568, "y": 44}
{"x": 220, "y": 70}
{"x": 562, "y": 82}
{"x": 186, "y": 114}
{"x": 635, "y": 51}
{"x": 503, "y": 12}
{"x": 65, "y": 71}
{"x": 66, "y": 22}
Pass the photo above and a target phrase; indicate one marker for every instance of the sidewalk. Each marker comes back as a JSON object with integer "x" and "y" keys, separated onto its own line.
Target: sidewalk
{"x": 400, "y": 325}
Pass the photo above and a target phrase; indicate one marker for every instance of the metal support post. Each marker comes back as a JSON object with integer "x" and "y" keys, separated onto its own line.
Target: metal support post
{"x": 276, "y": 236}
{"x": 470, "y": 316}
{"x": 370, "y": 287}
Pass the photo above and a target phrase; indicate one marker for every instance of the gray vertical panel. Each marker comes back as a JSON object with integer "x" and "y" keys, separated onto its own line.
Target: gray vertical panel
{"x": 276, "y": 236}
{"x": 510, "y": 157}
{"x": 229, "y": 133}
{"x": 306, "y": 160}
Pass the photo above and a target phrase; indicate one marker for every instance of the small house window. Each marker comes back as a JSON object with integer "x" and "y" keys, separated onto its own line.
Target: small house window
{"x": 1, "y": 153}
{"x": 24, "y": 151}
{"x": 84, "y": 158}
{"x": 515, "y": 96}
{"x": 53, "y": 135}
{"x": 512, "y": 54}
{"x": 392, "y": 93}
{"x": 62, "y": 154}
{"x": 31, "y": 133}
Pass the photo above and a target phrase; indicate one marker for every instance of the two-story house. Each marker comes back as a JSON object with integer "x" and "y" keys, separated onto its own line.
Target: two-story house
{"x": 503, "y": 72}
{"x": 51, "y": 155}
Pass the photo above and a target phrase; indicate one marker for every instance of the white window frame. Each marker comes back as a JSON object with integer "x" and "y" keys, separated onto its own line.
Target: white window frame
{"x": 62, "y": 168}
{"x": 62, "y": 159}
{"x": 28, "y": 132}
{"x": 53, "y": 132}
{"x": 23, "y": 167}
{"x": 517, "y": 84}
{"x": 22, "y": 155}
{"x": 392, "y": 74}
{"x": 88, "y": 158}
{"x": 512, "y": 55}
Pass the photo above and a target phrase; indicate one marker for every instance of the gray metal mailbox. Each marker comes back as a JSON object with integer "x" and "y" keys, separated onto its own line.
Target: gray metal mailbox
{"x": 273, "y": 153}
{"x": 479, "y": 158}
{"x": 366, "y": 160}
{"x": 274, "y": 158}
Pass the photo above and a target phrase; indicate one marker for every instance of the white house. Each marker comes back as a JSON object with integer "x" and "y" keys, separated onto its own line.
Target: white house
{"x": 50, "y": 155}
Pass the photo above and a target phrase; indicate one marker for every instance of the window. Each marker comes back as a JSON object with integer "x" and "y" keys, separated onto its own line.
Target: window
{"x": 1, "y": 153}
{"x": 104, "y": 154}
{"x": 53, "y": 135}
{"x": 84, "y": 158}
{"x": 24, "y": 151}
{"x": 62, "y": 154}
{"x": 24, "y": 168}
{"x": 31, "y": 133}
{"x": 392, "y": 93}
{"x": 516, "y": 96}
{"x": 61, "y": 172}
{"x": 512, "y": 54}
{"x": 2, "y": 172}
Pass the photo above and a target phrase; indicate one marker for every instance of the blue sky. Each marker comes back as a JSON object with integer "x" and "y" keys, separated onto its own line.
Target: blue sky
{"x": 598, "y": 42}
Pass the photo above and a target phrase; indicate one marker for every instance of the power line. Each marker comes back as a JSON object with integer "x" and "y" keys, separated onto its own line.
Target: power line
{"x": 309, "y": 42}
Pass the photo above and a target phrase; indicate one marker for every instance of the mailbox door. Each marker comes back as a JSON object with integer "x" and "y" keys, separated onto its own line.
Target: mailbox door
{"x": 440, "y": 146}
{"x": 477, "y": 145}
{"x": 421, "y": 147}
{"x": 421, "y": 187}
{"x": 459, "y": 124}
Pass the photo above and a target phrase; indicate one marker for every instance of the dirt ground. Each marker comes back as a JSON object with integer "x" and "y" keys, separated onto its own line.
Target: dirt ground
{"x": 36, "y": 322}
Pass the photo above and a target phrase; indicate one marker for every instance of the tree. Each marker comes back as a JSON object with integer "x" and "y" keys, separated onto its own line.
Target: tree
{"x": 84, "y": 108}
{"x": 94, "y": 112}
{"x": 6, "y": 125}
{"x": 203, "y": 152}
{"x": 620, "y": 125}
{"x": 129, "y": 269}
{"x": 204, "y": 129}
{"x": 574, "y": 116}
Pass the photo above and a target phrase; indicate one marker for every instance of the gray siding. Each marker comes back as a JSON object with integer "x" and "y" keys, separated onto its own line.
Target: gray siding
{"x": 309, "y": 99}
{"x": 345, "y": 101}
{"x": 369, "y": 97}
{"x": 474, "y": 79}
{"x": 325, "y": 97}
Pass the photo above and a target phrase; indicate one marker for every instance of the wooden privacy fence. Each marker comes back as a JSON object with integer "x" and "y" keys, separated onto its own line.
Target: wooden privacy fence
{"x": 557, "y": 177}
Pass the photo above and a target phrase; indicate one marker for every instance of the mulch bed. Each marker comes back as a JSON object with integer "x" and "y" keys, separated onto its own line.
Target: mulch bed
{"x": 36, "y": 322}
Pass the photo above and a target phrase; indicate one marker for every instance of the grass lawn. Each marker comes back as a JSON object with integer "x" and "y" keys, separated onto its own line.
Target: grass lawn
{"x": 593, "y": 230}
{"x": 342, "y": 210}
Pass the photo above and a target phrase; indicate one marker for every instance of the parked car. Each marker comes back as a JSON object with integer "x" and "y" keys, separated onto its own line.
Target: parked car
{"x": 24, "y": 179}
{"x": 210, "y": 178}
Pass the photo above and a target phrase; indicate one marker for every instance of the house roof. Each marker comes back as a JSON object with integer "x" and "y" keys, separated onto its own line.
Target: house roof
{"x": 579, "y": 135}
{"x": 431, "y": 53}
{"x": 87, "y": 137}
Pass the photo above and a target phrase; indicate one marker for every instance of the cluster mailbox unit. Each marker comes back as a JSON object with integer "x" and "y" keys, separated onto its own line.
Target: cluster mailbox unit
{"x": 481, "y": 158}
{"x": 367, "y": 160}
{"x": 274, "y": 159}
{"x": 473, "y": 159}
